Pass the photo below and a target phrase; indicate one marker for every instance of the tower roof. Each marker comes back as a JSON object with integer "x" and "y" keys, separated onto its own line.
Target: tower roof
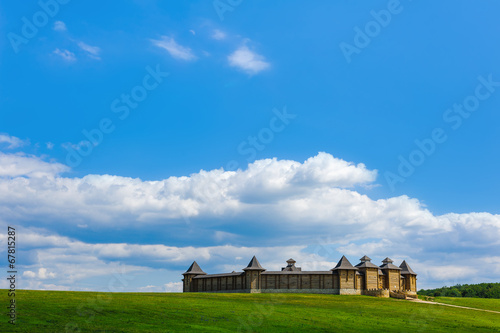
{"x": 365, "y": 258}
{"x": 387, "y": 264}
{"x": 406, "y": 269}
{"x": 194, "y": 269}
{"x": 254, "y": 265}
{"x": 366, "y": 263}
{"x": 291, "y": 266}
{"x": 344, "y": 264}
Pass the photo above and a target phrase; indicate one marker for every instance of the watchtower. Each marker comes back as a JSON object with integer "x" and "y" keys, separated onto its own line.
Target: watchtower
{"x": 409, "y": 277}
{"x": 187, "y": 283}
{"x": 369, "y": 272}
{"x": 392, "y": 274}
{"x": 253, "y": 276}
{"x": 346, "y": 276}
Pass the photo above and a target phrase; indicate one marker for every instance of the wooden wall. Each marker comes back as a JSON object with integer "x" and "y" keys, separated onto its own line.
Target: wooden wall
{"x": 371, "y": 278}
{"x": 346, "y": 279}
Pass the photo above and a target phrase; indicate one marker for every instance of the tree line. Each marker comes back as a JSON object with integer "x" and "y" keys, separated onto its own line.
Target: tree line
{"x": 481, "y": 290}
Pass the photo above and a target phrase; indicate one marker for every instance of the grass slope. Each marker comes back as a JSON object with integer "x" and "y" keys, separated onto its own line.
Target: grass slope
{"x": 59, "y": 311}
{"x": 478, "y": 303}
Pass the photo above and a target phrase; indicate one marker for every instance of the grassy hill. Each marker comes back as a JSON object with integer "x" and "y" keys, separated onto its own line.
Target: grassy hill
{"x": 478, "y": 303}
{"x": 58, "y": 311}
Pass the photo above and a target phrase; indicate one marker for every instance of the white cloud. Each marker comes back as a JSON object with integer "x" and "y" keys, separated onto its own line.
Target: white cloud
{"x": 310, "y": 197}
{"x": 247, "y": 60}
{"x": 42, "y": 274}
{"x": 23, "y": 165}
{"x": 49, "y": 145}
{"x": 447, "y": 272}
{"x": 65, "y": 55}
{"x": 29, "y": 274}
{"x": 106, "y": 199}
{"x": 59, "y": 26}
{"x": 92, "y": 51}
{"x": 175, "y": 50}
{"x": 12, "y": 141}
{"x": 313, "y": 205}
{"x": 150, "y": 289}
{"x": 218, "y": 34}
{"x": 324, "y": 168}
{"x": 173, "y": 287}
{"x": 68, "y": 264}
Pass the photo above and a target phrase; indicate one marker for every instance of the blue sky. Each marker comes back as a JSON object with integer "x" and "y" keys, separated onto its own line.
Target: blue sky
{"x": 342, "y": 125}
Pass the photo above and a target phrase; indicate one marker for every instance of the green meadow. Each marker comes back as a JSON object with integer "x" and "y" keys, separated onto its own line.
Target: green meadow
{"x": 60, "y": 311}
{"x": 479, "y": 303}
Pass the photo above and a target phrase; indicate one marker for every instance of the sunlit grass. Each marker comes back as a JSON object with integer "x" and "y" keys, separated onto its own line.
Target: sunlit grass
{"x": 58, "y": 311}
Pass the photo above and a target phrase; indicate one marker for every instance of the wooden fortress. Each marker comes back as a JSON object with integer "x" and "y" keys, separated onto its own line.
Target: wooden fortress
{"x": 365, "y": 278}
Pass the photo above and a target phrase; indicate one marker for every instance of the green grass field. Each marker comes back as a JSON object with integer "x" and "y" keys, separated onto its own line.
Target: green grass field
{"x": 479, "y": 303}
{"x": 57, "y": 311}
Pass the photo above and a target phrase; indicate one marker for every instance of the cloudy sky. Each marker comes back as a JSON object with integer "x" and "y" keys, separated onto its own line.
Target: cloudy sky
{"x": 136, "y": 138}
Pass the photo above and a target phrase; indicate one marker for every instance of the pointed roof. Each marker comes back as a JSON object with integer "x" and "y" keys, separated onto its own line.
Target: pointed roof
{"x": 365, "y": 258}
{"x": 366, "y": 263}
{"x": 254, "y": 265}
{"x": 291, "y": 266}
{"x": 387, "y": 264}
{"x": 194, "y": 269}
{"x": 343, "y": 264}
{"x": 406, "y": 269}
